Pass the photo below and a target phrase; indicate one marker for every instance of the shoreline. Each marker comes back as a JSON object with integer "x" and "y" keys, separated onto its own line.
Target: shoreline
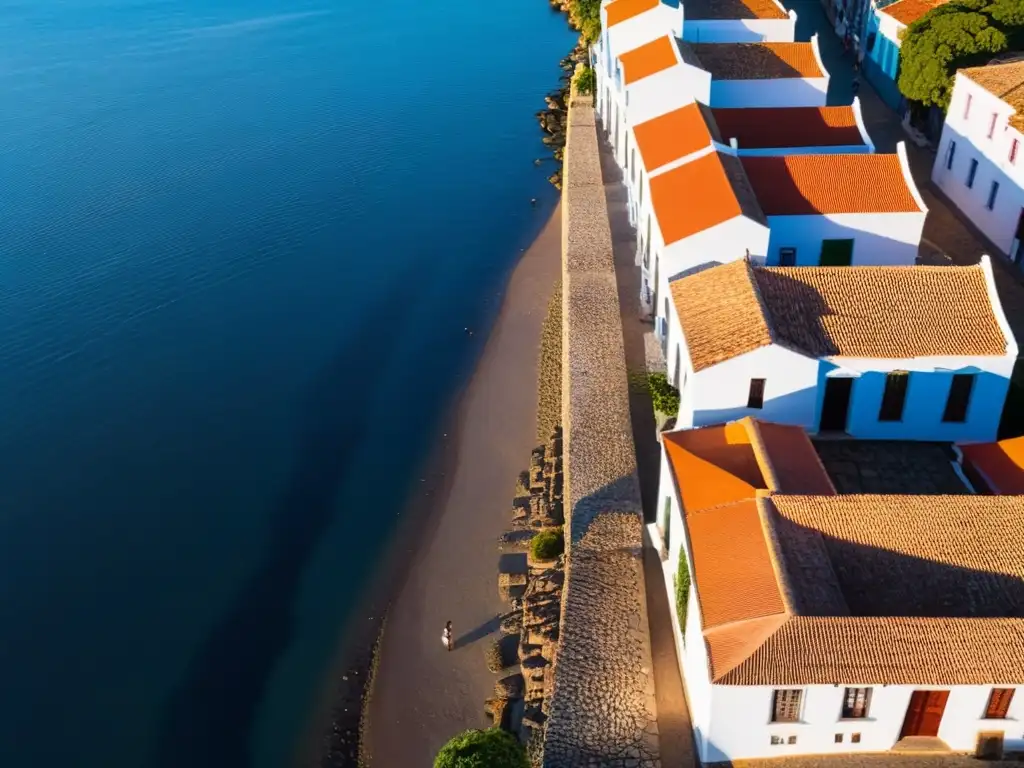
{"x": 332, "y": 739}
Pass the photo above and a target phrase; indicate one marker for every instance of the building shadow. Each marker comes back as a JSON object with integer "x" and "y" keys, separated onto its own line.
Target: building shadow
{"x": 489, "y": 627}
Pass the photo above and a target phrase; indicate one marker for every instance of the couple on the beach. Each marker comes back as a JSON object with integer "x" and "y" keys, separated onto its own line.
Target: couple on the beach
{"x": 447, "y": 637}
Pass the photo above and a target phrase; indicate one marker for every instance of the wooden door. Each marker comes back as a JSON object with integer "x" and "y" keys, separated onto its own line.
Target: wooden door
{"x": 835, "y": 405}
{"x": 924, "y": 713}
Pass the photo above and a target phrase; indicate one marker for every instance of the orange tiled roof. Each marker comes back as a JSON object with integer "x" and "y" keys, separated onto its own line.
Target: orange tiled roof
{"x": 758, "y": 61}
{"x": 908, "y": 11}
{"x": 700, "y": 194}
{"x": 774, "y": 127}
{"x": 798, "y": 590}
{"x": 623, "y": 10}
{"x": 648, "y": 59}
{"x": 672, "y": 136}
{"x": 1004, "y": 81}
{"x": 794, "y": 185}
{"x": 869, "y": 312}
{"x": 699, "y": 10}
{"x": 997, "y": 467}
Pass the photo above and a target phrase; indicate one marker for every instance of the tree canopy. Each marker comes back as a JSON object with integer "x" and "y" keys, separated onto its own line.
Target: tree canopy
{"x": 493, "y": 748}
{"x": 963, "y": 33}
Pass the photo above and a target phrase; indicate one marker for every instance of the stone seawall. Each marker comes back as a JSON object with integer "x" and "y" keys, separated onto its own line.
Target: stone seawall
{"x": 602, "y": 709}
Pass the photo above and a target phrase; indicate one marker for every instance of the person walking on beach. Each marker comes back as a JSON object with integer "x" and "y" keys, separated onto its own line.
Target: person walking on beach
{"x": 446, "y": 636}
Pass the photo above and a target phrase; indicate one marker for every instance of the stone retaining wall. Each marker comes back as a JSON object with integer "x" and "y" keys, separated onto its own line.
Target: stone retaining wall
{"x": 602, "y": 710}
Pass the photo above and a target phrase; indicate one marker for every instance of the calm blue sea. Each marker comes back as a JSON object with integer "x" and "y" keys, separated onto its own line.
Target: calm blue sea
{"x": 239, "y": 244}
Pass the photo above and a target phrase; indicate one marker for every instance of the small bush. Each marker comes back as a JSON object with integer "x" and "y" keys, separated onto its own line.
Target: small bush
{"x": 682, "y": 590}
{"x": 493, "y": 748}
{"x": 585, "y": 81}
{"x": 664, "y": 396}
{"x": 548, "y": 544}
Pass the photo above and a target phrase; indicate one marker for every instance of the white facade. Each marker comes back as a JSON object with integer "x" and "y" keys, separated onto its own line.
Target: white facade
{"x": 732, "y": 722}
{"x": 980, "y": 165}
{"x": 879, "y": 239}
{"x": 741, "y": 30}
{"x": 795, "y": 386}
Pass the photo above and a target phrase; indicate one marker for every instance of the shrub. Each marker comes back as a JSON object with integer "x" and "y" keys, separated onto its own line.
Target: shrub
{"x": 664, "y": 396}
{"x": 682, "y": 590}
{"x": 493, "y": 748}
{"x": 548, "y": 544}
{"x": 585, "y": 81}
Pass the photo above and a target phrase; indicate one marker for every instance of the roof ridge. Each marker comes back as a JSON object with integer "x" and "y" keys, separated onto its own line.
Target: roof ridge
{"x": 751, "y": 641}
{"x": 765, "y": 508}
{"x": 762, "y": 305}
{"x": 761, "y": 452}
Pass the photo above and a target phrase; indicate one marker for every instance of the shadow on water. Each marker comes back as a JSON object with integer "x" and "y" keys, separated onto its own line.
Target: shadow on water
{"x": 209, "y": 718}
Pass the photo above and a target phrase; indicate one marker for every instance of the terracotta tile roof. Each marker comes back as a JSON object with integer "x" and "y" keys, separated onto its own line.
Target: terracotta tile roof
{"x": 871, "y": 312}
{"x": 908, "y": 11}
{"x": 699, "y": 10}
{"x": 623, "y": 10}
{"x": 757, "y": 61}
{"x": 1004, "y": 81}
{"x": 648, "y": 59}
{"x": 847, "y": 605}
{"x": 700, "y": 194}
{"x": 801, "y": 185}
{"x": 720, "y": 313}
{"x": 773, "y": 127}
{"x": 995, "y": 467}
{"x": 673, "y": 135}
{"x": 881, "y": 312}
{"x": 794, "y": 462}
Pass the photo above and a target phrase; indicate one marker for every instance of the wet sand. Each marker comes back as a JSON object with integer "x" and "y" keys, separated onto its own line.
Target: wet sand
{"x": 422, "y": 694}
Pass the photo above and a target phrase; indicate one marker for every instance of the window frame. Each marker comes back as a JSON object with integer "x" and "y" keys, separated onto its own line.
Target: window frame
{"x": 993, "y": 191}
{"x": 972, "y": 173}
{"x": 996, "y": 705}
{"x": 861, "y": 702}
{"x": 787, "y": 252}
{"x": 1014, "y": 151}
{"x": 967, "y": 106}
{"x": 950, "y": 154}
{"x": 992, "y": 125}
{"x": 755, "y": 393}
{"x": 958, "y": 415}
{"x": 894, "y": 400}
{"x": 785, "y": 706}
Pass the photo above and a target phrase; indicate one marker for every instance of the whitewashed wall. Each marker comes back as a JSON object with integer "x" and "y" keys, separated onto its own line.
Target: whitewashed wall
{"x": 741, "y": 727}
{"x": 972, "y": 142}
{"x": 741, "y": 30}
{"x": 882, "y": 239}
{"x": 720, "y": 244}
{"x": 786, "y": 92}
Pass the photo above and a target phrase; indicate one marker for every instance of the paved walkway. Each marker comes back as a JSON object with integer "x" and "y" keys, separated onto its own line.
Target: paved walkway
{"x": 423, "y": 695}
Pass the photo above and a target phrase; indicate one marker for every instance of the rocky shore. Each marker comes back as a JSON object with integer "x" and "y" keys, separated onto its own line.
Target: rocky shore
{"x": 553, "y": 117}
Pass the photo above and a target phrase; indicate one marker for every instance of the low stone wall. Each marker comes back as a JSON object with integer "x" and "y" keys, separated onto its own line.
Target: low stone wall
{"x": 602, "y": 709}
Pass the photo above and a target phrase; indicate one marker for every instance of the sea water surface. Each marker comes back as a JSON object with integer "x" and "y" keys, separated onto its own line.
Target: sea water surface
{"x": 239, "y": 246}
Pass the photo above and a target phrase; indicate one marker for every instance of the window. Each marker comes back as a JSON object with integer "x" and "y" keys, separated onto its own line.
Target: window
{"x": 950, "y": 153}
{"x": 839, "y": 738}
{"x": 855, "y": 738}
{"x": 791, "y": 740}
{"x": 998, "y": 703}
{"x": 1014, "y": 148}
{"x": 893, "y": 398}
{"x": 967, "y": 106}
{"x": 992, "y": 125}
{"x": 666, "y": 524}
{"x": 787, "y": 257}
{"x": 756, "y": 397}
{"x": 959, "y": 397}
{"x": 855, "y": 703}
{"x": 786, "y": 705}
{"x": 972, "y": 173}
{"x": 776, "y": 740}
{"x": 640, "y": 203}
{"x": 993, "y": 191}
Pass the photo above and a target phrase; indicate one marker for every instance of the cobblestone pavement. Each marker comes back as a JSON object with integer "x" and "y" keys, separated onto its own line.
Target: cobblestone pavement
{"x": 889, "y": 466}
{"x": 603, "y": 709}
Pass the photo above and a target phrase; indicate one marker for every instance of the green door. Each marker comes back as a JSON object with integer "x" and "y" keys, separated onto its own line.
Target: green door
{"x": 836, "y": 253}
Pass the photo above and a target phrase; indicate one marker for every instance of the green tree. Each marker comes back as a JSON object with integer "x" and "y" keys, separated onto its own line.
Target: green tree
{"x": 493, "y": 748}
{"x": 959, "y": 34}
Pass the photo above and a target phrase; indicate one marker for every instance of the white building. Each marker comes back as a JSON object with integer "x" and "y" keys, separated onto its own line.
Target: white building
{"x": 669, "y": 139}
{"x": 742, "y": 21}
{"x": 890, "y": 353}
{"x": 794, "y": 210}
{"x": 764, "y": 74}
{"x": 826, "y": 624}
{"x": 980, "y": 163}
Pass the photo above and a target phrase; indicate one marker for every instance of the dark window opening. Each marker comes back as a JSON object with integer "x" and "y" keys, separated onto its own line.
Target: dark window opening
{"x": 893, "y": 399}
{"x": 856, "y": 702}
{"x": 756, "y": 397}
{"x": 787, "y": 257}
{"x": 786, "y": 705}
{"x": 959, "y": 397}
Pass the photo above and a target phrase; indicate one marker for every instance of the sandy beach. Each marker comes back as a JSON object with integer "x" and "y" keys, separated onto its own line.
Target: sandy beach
{"x": 422, "y": 694}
